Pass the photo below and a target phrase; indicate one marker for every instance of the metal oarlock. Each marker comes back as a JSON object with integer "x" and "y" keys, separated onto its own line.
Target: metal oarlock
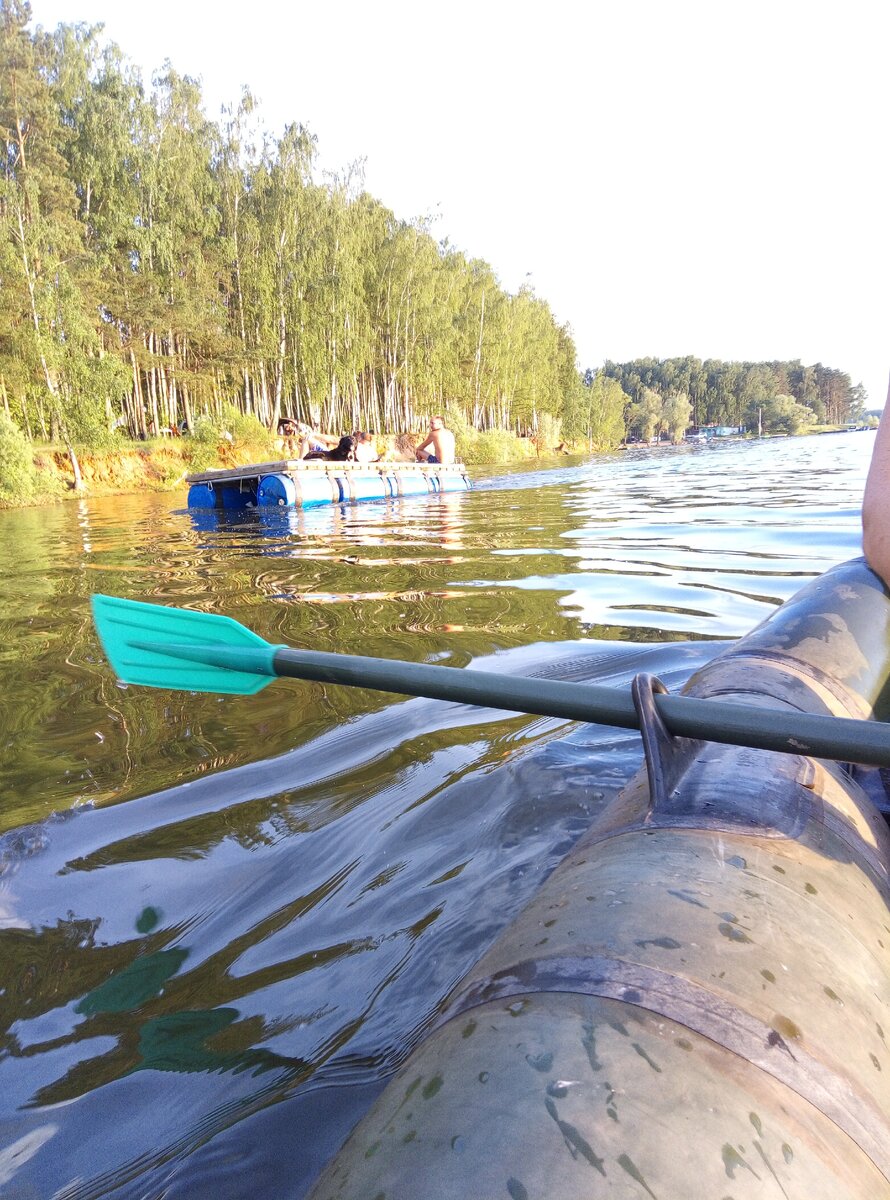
{"x": 667, "y": 757}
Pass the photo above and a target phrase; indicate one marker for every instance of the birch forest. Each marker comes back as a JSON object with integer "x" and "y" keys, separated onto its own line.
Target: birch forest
{"x": 157, "y": 266}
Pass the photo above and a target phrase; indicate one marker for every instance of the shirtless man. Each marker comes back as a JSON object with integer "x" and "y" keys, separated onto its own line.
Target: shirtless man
{"x": 876, "y": 502}
{"x": 442, "y": 442}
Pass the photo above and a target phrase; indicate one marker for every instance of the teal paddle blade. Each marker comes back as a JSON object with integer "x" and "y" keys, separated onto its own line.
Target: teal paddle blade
{"x": 181, "y": 649}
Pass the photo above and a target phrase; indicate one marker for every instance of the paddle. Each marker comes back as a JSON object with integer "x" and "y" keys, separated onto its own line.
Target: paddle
{"x": 192, "y": 651}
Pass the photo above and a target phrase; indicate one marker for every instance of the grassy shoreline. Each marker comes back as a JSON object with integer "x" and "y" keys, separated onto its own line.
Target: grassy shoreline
{"x": 162, "y": 464}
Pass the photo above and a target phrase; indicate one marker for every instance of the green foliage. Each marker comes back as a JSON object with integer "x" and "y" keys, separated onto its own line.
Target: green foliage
{"x": 781, "y": 414}
{"x": 474, "y": 446}
{"x": 647, "y": 415}
{"x": 499, "y": 446}
{"x": 466, "y": 438}
{"x": 676, "y": 411}
{"x": 230, "y": 425}
{"x": 723, "y": 393}
{"x": 245, "y": 429}
{"x": 548, "y": 434}
{"x": 204, "y": 443}
{"x": 95, "y": 389}
{"x": 18, "y": 477}
{"x": 596, "y": 412}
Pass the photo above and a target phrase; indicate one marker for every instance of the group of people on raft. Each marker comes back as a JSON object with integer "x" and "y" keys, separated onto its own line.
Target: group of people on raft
{"x": 361, "y": 447}
{"x": 438, "y": 447}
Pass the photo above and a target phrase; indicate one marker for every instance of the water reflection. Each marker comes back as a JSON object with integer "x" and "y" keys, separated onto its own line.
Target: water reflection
{"x": 223, "y": 919}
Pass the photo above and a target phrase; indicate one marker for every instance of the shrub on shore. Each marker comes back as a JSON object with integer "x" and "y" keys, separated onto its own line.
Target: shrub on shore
{"x": 548, "y": 434}
{"x": 233, "y": 427}
{"x": 247, "y": 430}
{"x": 18, "y": 475}
{"x": 499, "y": 446}
{"x": 203, "y": 447}
{"x": 484, "y": 447}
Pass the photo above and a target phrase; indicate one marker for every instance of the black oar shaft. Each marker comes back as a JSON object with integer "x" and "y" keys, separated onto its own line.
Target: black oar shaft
{"x": 764, "y": 728}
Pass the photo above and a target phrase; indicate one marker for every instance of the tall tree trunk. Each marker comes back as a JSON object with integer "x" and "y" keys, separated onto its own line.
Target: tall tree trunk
{"x": 279, "y": 369}
{"x": 172, "y": 404}
{"x": 264, "y": 393}
{"x": 239, "y": 296}
{"x": 47, "y": 375}
{"x": 155, "y": 423}
{"x": 187, "y": 409}
{"x": 75, "y": 466}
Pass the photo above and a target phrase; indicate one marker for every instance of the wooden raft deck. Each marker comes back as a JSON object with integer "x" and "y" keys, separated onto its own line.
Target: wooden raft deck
{"x": 287, "y": 466}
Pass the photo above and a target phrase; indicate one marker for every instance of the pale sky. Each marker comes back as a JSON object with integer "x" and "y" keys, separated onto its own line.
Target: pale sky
{"x": 673, "y": 177}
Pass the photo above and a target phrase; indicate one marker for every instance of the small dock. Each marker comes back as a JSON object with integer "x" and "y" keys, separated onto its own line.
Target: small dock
{"x": 294, "y": 483}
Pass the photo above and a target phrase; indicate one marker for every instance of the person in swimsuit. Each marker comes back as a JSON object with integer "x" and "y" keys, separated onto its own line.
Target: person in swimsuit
{"x": 442, "y": 442}
{"x": 311, "y": 442}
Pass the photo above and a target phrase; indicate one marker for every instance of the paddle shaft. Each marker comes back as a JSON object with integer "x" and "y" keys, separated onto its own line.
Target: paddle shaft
{"x": 783, "y": 730}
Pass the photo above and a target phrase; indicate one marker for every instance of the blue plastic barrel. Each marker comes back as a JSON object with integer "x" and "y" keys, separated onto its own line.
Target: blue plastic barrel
{"x": 202, "y": 495}
{"x": 341, "y": 485}
{"x": 235, "y": 498}
{"x": 451, "y": 481}
{"x": 369, "y": 485}
{"x": 315, "y": 487}
{"x": 276, "y": 490}
{"x": 413, "y": 483}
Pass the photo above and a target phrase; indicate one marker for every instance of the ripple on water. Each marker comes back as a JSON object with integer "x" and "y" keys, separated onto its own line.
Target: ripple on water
{"x": 321, "y": 866}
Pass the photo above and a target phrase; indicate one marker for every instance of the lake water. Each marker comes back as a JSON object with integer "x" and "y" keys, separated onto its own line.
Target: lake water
{"x": 225, "y": 921}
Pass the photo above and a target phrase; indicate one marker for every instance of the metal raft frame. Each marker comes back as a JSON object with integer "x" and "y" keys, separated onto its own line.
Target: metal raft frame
{"x": 295, "y": 483}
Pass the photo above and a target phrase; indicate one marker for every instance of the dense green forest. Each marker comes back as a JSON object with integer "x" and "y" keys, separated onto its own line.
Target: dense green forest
{"x": 782, "y": 396}
{"x": 157, "y": 266}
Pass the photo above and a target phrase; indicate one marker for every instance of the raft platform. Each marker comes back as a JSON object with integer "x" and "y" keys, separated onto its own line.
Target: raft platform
{"x": 294, "y": 483}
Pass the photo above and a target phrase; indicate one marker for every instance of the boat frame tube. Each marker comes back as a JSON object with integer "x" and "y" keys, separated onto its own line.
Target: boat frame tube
{"x": 697, "y": 1001}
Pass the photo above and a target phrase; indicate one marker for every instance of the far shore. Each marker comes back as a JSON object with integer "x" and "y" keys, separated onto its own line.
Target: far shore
{"x": 162, "y": 464}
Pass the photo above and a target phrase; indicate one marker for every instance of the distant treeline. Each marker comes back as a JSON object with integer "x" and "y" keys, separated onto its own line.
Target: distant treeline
{"x": 157, "y": 267}
{"x": 732, "y": 393}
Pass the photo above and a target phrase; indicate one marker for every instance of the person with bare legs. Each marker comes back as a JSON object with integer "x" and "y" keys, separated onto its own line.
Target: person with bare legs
{"x": 439, "y": 444}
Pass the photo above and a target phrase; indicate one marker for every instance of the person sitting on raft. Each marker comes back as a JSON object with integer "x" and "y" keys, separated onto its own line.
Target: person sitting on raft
{"x": 312, "y": 442}
{"x": 287, "y": 431}
{"x": 442, "y": 442}
{"x": 299, "y": 438}
{"x": 364, "y": 447}
{"x": 876, "y": 502}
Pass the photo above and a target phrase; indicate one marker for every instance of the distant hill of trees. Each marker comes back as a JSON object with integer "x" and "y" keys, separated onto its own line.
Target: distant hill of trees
{"x": 669, "y": 395}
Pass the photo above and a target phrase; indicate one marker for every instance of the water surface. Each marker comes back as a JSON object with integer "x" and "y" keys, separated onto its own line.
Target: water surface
{"x": 225, "y": 921}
